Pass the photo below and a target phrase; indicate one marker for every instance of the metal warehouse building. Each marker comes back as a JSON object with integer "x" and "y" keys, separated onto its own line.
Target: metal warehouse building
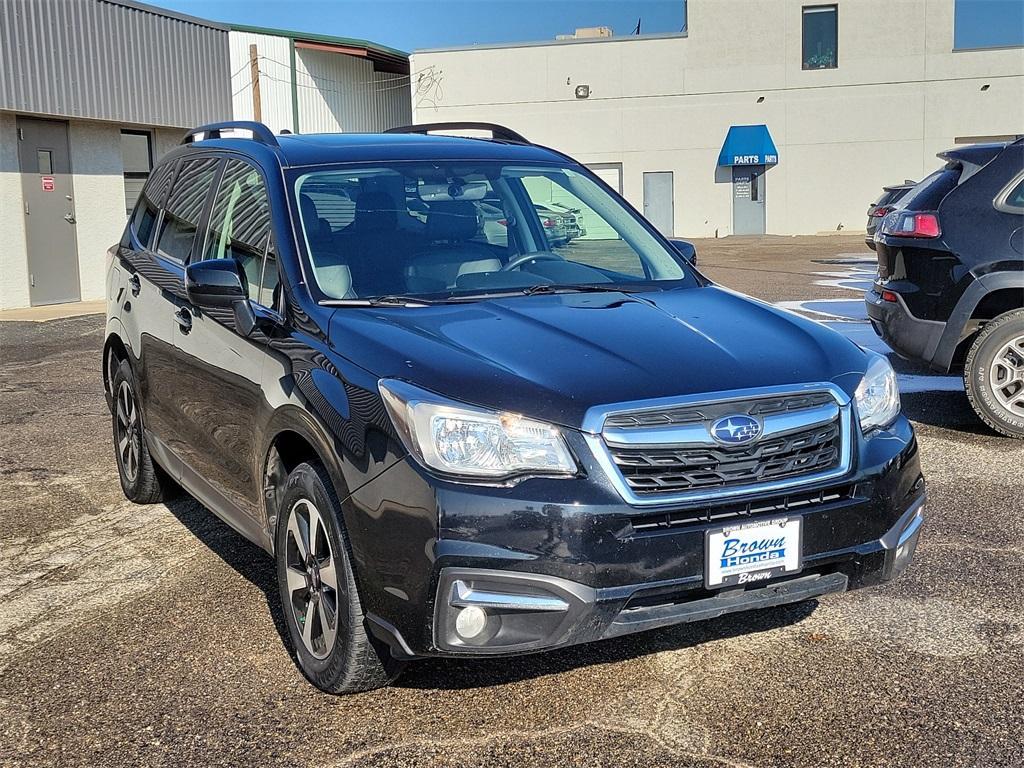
{"x": 765, "y": 116}
{"x": 93, "y": 92}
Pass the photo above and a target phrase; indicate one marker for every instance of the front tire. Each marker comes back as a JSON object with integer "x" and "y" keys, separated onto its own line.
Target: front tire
{"x": 318, "y": 591}
{"x": 994, "y": 374}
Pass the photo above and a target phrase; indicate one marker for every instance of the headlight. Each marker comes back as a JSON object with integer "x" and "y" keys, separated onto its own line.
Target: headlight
{"x": 473, "y": 442}
{"x": 877, "y": 396}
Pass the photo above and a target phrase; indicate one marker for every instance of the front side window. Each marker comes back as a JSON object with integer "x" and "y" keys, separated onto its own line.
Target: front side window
{"x": 184, "y": 208}
{"x": 240, "y": 229}
{"x": 821, "y": 37}
{"x": 464, "y": 230}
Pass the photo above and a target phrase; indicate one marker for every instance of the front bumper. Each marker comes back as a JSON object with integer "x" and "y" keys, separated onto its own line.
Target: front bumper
{"x": 527, "y": 612}
{"x": 426, "y": 550}
{"x": 910, "y": 337}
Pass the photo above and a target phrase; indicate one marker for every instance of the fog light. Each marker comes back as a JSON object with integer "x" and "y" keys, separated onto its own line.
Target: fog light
{"x": 470, "y": 622}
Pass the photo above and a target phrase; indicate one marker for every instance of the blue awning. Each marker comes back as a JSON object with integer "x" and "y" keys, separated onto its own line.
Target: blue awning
{"x": 748, "y": 145}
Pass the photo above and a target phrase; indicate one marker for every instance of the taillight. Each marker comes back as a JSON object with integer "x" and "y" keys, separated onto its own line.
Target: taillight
{"x": 910, "y": 224}
{"x": 503, "y": 222}
{"x": 888, "y": 296}
{"x": 549, "y": 223}
{"x": 882, "y": 211}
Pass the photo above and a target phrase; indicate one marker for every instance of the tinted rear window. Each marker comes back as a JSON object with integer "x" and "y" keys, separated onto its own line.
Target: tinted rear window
{"x": 149, "y": 202}
{"x": 929, "y": 192}
{"x": 184, "y": 208}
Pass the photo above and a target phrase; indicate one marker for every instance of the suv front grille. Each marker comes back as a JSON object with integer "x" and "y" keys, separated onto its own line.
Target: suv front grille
{"x": 669, "y": 453}
{"x": 660, "y": 470}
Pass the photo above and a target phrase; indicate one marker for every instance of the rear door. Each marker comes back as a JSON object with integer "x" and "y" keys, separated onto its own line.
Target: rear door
{"x": 142, "y": 297}
{"x": 217, "y": 369}
{"x": 161, "y": 269}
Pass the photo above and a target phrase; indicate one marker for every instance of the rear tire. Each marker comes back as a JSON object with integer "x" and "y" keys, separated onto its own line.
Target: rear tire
{"x": 994, "y": 374}
{"x": 325, "y": 619}
{"x": 141, "y": 479}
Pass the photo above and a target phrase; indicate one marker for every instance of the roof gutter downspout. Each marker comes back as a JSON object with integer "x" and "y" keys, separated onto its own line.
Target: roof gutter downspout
{"x": 295, "y": 88}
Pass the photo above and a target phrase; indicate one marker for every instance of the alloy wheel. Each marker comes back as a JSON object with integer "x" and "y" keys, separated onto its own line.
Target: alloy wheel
{"x": 312, "y": 578}
{"x": 1006, "y": 376}
{"x": 129, "y": 432}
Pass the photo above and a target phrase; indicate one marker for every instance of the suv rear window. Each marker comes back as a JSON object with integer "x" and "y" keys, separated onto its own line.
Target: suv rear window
{"x": 148, "y": 205}
{"x": 185, "y": 208}
{"x": 929, "y": 192}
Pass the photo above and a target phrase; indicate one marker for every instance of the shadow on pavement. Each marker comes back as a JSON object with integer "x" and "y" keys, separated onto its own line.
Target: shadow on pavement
{"x": 243, "y": 556}
{"x": 458, "y": 674}
{"x": 948, "y": 410}
{"x": 257, "y": 567}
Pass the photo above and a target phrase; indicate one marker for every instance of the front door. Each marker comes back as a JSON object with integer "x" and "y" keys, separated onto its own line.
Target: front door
{"x": 748, "y": 195}
{"x": 659, "y": 206}
{"x": 45, "y": 164}
{"x": 218, "y": 371}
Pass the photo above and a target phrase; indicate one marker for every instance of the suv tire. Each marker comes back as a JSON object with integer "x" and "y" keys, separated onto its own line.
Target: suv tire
{"x": 318, "y": 590}
{"x": 142, "y": 480}
{"x": 997, "y": 358}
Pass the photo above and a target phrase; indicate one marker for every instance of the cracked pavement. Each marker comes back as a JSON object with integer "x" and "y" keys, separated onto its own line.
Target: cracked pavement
{"x": 134, "y": 635}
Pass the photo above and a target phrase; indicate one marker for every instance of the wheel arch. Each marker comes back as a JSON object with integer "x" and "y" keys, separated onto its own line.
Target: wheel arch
{"x": 114, "y": 351}
{"x": 292, "y": 438}
{"x": 985, "y": 299}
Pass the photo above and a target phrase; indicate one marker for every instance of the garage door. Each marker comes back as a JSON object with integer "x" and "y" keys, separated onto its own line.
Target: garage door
{"x": 610, "y": 174}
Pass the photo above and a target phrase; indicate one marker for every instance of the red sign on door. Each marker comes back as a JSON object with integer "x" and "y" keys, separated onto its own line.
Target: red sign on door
{"x": 47, "y": 183}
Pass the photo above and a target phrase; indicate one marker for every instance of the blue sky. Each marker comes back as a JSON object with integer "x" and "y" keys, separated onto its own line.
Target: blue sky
{"x": 412, "y": 24}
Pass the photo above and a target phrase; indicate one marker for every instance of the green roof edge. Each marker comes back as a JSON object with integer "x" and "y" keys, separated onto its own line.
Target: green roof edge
{"x": 317, "y": 38}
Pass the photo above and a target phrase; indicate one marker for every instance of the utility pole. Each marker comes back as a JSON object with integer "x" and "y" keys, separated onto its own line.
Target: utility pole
{"x": 254, "y": 73}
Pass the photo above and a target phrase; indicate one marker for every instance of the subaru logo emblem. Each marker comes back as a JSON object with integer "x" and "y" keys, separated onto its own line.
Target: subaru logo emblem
{"x": 737, "y": 429}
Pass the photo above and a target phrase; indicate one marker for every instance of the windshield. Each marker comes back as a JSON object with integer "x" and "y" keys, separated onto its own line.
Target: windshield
{"x": 437, "y": 231}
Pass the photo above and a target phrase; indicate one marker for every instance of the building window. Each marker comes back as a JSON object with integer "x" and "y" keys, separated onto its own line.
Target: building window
{"x": 821, "y": 36}
{"x": 137, "y": 160}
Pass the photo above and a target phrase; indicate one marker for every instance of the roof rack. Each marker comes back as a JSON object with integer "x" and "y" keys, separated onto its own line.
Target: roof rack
{"x": 498, "y": 132}
{"x": 259, "y": 131}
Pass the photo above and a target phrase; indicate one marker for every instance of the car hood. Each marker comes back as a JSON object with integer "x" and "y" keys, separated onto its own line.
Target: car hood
{"x": 554, "y": 356}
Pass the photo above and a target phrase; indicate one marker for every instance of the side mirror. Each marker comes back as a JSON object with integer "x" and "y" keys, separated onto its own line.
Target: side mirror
{"x": 685, "y": 249}
{"x": 220, "y": 284}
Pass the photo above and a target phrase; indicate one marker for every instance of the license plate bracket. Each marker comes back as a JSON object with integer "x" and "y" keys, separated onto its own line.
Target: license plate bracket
{"x": 752, "y": 551}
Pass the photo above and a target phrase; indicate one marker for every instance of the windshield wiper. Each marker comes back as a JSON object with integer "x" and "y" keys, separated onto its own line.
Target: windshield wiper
{"x": 395, "y": 299}
{"x": 575, "y": 288}
{"x": 382, "y": 301}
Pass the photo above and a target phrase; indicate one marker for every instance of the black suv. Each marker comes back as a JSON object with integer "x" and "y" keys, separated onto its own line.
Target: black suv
{"x": 885, "y": 204}
{"x": 950, "y": 284}
{"x": 459, "y": 448}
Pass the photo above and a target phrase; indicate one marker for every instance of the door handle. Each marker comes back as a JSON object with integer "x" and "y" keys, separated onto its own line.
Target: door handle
{"x": 135, "y": 284}
{"x": 184, "y": 318}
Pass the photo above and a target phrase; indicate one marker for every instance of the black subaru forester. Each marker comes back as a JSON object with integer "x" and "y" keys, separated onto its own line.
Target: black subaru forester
{"x": 459, "y": 438}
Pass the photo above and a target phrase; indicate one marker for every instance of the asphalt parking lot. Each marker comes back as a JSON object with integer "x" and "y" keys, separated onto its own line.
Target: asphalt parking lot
{"x": 151, "y": 635}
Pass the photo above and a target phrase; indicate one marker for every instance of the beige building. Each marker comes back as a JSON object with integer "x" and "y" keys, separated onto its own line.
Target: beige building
{"x": 852, "y": 95}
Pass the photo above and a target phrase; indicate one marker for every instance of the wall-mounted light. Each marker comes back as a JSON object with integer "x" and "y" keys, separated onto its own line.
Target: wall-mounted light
{"x": 582, "y": 91}
{"x": 985, "y": 87}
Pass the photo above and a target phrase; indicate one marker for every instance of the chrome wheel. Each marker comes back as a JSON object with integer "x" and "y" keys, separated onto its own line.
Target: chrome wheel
{"x": 1006, "y": 376}
{"x": 129, "y": 432}
{"x": 312, "y": 578}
